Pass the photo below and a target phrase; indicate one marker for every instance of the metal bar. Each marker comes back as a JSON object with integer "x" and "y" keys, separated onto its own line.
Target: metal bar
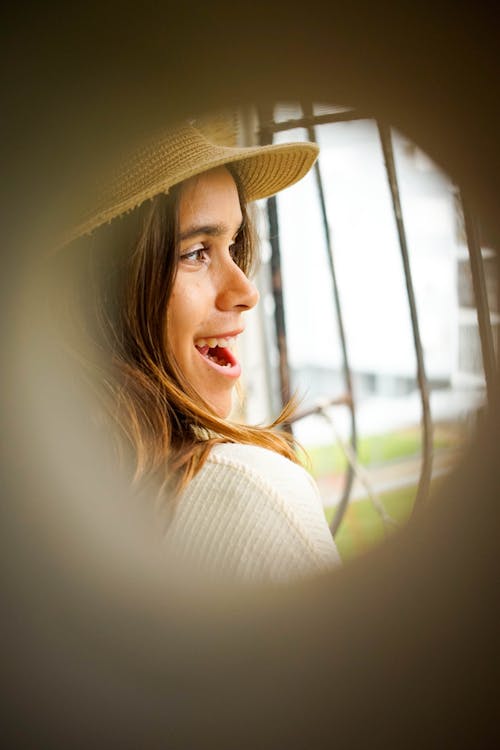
{"x": 279, "y": 310}
{"x": 266, "y": 138}
{"x": 349, "y": 476}
{"x": 481, "y": 299}
{"x": 307, "y": 121}
{"x": 361, "y": 474}
{"x": 427, "y": 427}
{"x": 320, "y": 406}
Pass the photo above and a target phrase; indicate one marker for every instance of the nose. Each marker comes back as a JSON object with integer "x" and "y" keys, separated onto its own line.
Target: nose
{"x": 235, "y": 291}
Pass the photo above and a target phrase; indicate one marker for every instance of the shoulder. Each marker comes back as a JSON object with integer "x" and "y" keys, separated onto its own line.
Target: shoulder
{"x": 267, "y": 468}
{"x": 256, "y": 514}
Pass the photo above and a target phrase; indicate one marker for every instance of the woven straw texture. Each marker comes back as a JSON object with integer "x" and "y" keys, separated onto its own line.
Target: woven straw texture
{"x": 183, "y": 153}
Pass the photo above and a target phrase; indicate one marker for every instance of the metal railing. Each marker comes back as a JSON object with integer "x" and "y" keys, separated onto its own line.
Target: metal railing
{"x": 309, "y": 121}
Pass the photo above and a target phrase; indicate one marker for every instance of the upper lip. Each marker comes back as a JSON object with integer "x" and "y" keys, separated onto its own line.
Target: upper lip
{"x": 227, "y": 335}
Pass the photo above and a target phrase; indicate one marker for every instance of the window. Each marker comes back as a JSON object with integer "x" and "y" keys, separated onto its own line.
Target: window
{"x": 369, "y": 305}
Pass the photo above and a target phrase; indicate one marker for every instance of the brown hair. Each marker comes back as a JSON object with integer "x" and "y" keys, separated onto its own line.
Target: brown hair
{"x": 165, "y": 428}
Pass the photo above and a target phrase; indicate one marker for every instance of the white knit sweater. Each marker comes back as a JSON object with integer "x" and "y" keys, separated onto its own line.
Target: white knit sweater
{"x": 252, "y": 515}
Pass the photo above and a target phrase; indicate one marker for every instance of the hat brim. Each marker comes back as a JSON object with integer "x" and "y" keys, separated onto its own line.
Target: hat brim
{"x": 184, "y": 153}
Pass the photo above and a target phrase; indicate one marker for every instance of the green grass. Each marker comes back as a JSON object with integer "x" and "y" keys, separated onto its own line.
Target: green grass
{"x": 379, "y": 449}
{"x": 362, "y": 526}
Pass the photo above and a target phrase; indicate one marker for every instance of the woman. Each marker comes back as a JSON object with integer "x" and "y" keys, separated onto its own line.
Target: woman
{"x": 171, "y": 289}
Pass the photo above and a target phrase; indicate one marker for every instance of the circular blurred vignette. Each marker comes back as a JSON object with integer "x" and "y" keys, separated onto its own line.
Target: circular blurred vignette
{"x": 103, "y": 644}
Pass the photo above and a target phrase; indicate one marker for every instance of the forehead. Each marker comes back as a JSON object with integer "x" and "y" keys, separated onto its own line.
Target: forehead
{"x": 209, "y": 196}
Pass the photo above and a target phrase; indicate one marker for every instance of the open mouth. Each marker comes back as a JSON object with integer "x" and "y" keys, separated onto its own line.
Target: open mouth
{"x": 218, "y": 354}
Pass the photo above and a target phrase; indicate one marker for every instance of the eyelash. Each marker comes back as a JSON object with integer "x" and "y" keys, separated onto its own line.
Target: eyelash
{"x": 189, "y": 256}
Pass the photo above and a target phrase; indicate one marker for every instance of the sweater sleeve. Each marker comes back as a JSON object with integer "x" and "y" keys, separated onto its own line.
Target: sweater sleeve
{"x": 252, "y": 515}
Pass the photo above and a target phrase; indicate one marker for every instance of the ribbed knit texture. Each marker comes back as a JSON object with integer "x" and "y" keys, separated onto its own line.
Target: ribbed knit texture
{"x": 252, "y": 515}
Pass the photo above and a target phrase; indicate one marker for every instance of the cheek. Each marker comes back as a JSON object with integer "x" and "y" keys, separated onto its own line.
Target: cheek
{"x": 184, "y": 312}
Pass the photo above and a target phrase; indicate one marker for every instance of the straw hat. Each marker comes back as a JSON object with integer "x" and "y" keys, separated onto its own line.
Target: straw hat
{"x": 184, "y": 152}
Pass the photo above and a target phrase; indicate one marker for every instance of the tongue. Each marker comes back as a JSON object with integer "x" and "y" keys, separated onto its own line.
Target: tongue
{"x": 215, "y": 352}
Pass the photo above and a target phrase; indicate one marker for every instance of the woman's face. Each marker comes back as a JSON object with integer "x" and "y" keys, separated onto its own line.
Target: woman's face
{"x": 210, "y": 292}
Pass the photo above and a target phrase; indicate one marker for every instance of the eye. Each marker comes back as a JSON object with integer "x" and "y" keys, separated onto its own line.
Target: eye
{"x": 195, "y": 255}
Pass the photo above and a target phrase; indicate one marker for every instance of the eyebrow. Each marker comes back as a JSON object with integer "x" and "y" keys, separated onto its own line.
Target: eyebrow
{"x": 212, "y": 230}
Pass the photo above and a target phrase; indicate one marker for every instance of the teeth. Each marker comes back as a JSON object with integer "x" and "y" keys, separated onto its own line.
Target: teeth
{"x": 213, "y": 342}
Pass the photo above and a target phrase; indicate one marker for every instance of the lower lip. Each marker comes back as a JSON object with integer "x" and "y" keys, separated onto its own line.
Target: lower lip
{"x": 234, "y": 371}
